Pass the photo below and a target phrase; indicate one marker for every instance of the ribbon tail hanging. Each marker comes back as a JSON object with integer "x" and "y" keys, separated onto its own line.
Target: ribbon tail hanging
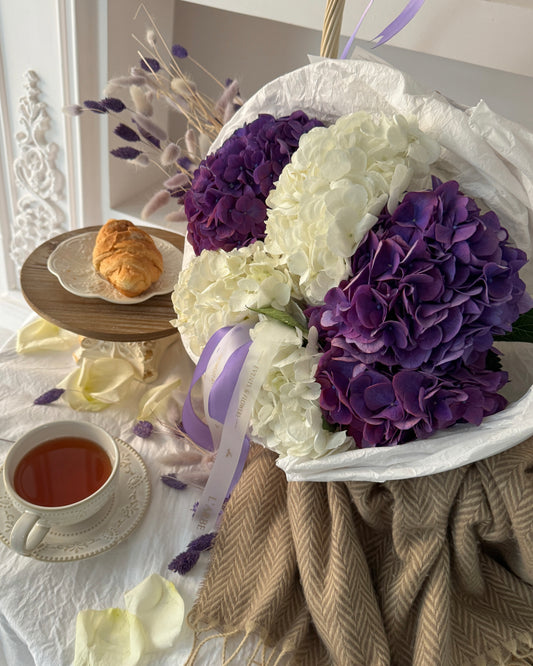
{"x": 350, "y": 42}
{"x": 408, "y": 13}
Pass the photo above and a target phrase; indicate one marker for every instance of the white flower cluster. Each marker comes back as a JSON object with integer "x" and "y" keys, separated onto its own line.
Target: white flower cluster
{"x": 218, "y": 288}
{"x": 286, "y": 417}
{"x": 336, "y": 183}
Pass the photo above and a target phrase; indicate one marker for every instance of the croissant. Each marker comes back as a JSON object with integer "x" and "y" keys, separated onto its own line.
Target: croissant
{"x": 127, "y": 257}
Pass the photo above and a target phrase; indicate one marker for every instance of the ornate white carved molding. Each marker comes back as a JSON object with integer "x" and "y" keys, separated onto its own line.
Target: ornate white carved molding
{"x": 39, "y": 182}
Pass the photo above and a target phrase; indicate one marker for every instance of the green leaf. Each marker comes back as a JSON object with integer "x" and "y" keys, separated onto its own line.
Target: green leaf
{"x": 522, "y": 329}
{"x": 281, "y": 316}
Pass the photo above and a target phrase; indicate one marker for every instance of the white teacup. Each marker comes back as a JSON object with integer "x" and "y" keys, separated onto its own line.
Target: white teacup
{"x": 36, "y": 520}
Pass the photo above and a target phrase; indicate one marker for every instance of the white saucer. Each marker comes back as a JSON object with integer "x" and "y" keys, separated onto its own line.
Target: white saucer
{"x": 110, "y": 526}
{"x": 71, "y": 262}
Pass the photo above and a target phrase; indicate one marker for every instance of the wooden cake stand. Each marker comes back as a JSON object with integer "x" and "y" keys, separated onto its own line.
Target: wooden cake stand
{"x": 139, "y": 331}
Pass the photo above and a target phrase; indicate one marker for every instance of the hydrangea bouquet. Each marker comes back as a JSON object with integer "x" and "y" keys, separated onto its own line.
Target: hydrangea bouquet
{"x": 356, "y": 240}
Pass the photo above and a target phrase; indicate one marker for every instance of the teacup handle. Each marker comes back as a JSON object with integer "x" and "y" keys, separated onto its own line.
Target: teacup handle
{"x": 26, "y": 535}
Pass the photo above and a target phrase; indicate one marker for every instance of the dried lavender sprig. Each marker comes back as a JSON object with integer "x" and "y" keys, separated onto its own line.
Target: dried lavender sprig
{"x": 184, "y": 562}
{"x": 173, "y": 482}
{"x": 126, "y": 152}
{"x": 143, "y": 429}
{"x": 49, "y": 396}
{"x": 126, "y": 133}
{"x": 203, "y": 542}
{"x": 150, "y": 64}
{"x": 93, "y": 105}
{"x": 179, "y": 51}
{"x": 113, "y": 104}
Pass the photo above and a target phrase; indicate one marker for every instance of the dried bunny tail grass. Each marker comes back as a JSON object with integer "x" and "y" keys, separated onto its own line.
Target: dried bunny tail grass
{"x": 191, "y": 144}
{"x": 149, "y": 126}
{"x": 194, "y": 477}
{"x": 183, "y": 87}
{"x": 229, "y": 112}
{"x": 127, "y": 81}
{"x": 181, "y": 458}
{"x": 170, "y": 154}
{"x": 141, "y": 101}
{"x": 204, "y": 143}
{"x": 178, "y": 180}
{"x": 151, "y": 39}
{"x": 142, "y": 160}
{"x": 178, "y": 104}
{"x": 227, "y": 97}
{"x": 159, "y": 200}
{"x": 73, "y": 110}
{"x": 177, "y": 216}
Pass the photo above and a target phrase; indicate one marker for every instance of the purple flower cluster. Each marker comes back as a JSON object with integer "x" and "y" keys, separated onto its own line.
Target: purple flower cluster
{"x": 407, "y": 338}
{"x": 381, "y": 406}
{"x": 225, "y": 205}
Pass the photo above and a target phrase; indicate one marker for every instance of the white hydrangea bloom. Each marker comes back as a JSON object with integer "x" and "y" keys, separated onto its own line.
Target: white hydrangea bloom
{"x": 286, "y": 417}
{"x": 329, "y": 194}
{"x": 218, "y": 287}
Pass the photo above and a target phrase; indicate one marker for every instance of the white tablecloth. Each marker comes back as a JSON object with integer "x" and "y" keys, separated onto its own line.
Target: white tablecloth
{"x": 39, "y": 601}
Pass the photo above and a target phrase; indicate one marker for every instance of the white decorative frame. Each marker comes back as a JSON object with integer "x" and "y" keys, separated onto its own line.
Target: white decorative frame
{"x": 37, "y": 215}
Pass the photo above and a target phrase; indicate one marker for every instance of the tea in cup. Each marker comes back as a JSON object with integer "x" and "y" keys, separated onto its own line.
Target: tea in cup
{"x": 59, "y": 474}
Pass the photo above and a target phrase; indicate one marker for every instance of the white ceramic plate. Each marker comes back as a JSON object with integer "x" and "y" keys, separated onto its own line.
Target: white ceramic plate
{"x": 71, "y": 262}
{"x": 110, "y": 526}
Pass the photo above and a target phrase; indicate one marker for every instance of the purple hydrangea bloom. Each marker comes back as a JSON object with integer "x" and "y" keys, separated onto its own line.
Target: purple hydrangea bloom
{"x": 432, "y": 283}
{"x": 225, "y": 205}
{"x": 380, "y": 406}
{"x": 407, "y": 339}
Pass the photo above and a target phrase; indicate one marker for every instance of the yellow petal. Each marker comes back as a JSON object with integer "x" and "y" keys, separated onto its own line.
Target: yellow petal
{"x": 160, "y": 608}
{"x": 108, "y": 637}
{"x": 98, "y": 383}
{"x": 155, "y": 400}
{"x": 41, "y": 335}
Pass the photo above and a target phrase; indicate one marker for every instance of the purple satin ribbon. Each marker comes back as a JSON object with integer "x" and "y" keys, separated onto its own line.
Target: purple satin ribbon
{"x": 399, "y": 22}
{"x": 408, "y": 13}
{"x": 348, "y": 46}
{"x": 219, "y": 398}
{"x": 197, "y": 430}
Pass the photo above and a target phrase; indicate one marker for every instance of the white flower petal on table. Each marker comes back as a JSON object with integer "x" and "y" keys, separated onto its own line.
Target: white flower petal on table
{"x": 108, "y": 637}
{"x": 159, "y": 607}
{"x": 98, "y": 383}
{"x": 155, "y": 400}
{"x": 41, "y": 335}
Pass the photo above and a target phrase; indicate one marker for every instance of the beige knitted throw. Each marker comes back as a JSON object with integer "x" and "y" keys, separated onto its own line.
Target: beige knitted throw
{"x": 427, "y": 571}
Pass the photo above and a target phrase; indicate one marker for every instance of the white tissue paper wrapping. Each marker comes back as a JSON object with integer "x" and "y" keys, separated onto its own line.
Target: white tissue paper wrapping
{"x": 492, "y": 159}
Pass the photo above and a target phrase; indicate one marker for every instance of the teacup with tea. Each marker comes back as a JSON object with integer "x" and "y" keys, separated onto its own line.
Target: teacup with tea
{"x": 59, "y": 474}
